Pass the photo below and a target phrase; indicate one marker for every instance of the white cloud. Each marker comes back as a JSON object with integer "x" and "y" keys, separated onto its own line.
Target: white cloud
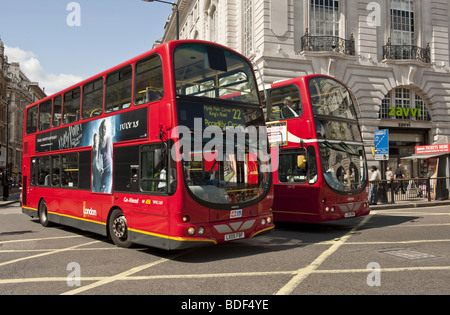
{"x": 30, "y": 65}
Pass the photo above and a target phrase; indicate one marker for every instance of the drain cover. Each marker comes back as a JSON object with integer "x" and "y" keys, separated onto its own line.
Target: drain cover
{"x": 407, "y": 253}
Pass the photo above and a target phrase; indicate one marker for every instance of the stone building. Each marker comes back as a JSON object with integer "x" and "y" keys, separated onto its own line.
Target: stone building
{"x": 393, "y": 54}
{"x": 16, "y": 92}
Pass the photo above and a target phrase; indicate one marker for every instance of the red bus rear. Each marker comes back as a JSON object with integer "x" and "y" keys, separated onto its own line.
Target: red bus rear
{"x": 314, "y": 132}
{"x": 141, "y": 152}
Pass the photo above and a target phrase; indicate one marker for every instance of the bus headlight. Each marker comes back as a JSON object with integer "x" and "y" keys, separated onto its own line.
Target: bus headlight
{"x": 201, "y": 230}
{"x": 263, "y": 221}
{"x": 269, "y": 220}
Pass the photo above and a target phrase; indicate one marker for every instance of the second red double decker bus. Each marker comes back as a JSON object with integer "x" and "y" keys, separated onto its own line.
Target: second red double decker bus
{"x": 322, "y": 171}
{"x": 161, "y": 150}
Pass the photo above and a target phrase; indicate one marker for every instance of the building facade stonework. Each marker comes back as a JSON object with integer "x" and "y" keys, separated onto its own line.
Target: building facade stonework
{"x": 393, "y": 54}
{"x": 16, "y": 92}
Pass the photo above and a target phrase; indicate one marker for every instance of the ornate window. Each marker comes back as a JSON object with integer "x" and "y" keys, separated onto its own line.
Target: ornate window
{"x": 402, "y": 22}
{"x": 325, "y": 17}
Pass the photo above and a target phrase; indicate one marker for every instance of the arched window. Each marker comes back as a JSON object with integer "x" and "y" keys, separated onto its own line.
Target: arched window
{"x": 404, "y": 103}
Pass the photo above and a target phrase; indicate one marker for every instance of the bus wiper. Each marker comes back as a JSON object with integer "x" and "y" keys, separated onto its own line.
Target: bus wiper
{"x": 344, "y": 147}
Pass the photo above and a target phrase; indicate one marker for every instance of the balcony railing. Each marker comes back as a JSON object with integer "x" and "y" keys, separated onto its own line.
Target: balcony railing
{"x": 328, "y": 43}
{"x": 406, "y": 52}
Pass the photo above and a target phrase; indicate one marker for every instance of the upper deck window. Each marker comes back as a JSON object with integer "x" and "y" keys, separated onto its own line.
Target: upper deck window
{"x": 118, "y": 89}
{"x": 32, "y": 119}
{"x": 285, "y": 103}
{"x": 92, "y": 104}
{"x": 45, "y": 115}
{"x": 149, "y": 83}
{"x": 57, "y": 106}
{"x": 213, "y": 72}
{"x": 71, "y": 106}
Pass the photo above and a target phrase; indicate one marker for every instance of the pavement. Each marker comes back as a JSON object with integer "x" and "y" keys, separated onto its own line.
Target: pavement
{"x": 410, "y": 204}
{"x": 15, "y": 195}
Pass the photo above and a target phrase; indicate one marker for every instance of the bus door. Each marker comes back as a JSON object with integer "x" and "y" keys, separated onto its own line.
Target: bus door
{"x": 297, "y": 181}
{"x": 149, "y": 176}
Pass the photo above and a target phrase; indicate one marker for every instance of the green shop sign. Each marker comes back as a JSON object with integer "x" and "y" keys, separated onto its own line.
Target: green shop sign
{"x": 405, "y": 112}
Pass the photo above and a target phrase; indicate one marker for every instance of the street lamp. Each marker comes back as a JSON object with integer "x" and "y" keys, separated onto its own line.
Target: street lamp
{"x": 174, "y": 8}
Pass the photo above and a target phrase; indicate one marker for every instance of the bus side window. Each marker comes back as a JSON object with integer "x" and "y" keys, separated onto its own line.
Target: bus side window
{"x": 126, "y": 167}
{"x": 69, "y": 170}
{"x": 149, "y": 83}
{"x": 43, "y": 171}
{"x": 57, "y": 107}
{"x": 56, "y": 170}
{"x": 71, "y": 106}
{"x": 92, "y": 104}
{"x": 45, "y": 115}
{"x": 33, "y": 170}
{"x": 118, "y": 89}
{"x": 32, "y": 119}
{"x": 153, "y": 169}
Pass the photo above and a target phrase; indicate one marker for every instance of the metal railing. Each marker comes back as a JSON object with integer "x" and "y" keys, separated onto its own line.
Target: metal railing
{"x": 411, "y": 189}
{"x": 407, "y": 52}
{"x": 328, "y": 43}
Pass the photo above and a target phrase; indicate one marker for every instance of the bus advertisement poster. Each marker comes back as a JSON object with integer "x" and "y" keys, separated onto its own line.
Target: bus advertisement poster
{"x": 129, "y": 125}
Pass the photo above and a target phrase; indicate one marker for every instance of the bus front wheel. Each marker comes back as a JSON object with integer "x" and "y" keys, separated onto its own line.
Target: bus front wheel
{"x": 118, "y": 229}
{"x": 43, "y": 214}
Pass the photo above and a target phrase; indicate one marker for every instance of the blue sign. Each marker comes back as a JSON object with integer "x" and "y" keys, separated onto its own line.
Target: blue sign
{"x": 382, "y": 144}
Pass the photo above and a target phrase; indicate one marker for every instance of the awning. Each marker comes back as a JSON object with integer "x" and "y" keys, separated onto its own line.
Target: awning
{"x": 423, "y": 156}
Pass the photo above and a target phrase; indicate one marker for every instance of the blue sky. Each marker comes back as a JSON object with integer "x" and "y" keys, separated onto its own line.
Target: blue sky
{"x": 36, "y": 34}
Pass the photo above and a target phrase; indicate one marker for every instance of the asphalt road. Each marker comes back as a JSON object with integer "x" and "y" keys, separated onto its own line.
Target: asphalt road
{"x": 397, "y": 251}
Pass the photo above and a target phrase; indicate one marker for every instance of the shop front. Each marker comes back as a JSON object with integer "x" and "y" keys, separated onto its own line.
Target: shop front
{"x": 402, "y": 144}
{"x": 434, "y": 162}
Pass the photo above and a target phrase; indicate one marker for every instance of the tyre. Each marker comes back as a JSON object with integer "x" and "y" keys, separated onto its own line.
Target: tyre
{"x": 118, "y": 229}
{"x": 43, "y": 214}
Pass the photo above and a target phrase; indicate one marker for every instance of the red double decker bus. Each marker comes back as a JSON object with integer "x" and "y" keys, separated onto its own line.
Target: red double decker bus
{"x": 160, "y": 150}
{"x": 313, "y": 129}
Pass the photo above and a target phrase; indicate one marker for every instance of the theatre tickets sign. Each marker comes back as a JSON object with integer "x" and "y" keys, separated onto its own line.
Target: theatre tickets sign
{"x": 433, "y": 148}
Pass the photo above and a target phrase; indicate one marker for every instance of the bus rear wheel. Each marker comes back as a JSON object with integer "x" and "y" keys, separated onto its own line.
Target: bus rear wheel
{"x": 118, "y": 229}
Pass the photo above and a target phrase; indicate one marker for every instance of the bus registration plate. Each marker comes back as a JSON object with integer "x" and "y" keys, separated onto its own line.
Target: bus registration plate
{"x": 234, "y": 236}
{"x": 349, "y": 214}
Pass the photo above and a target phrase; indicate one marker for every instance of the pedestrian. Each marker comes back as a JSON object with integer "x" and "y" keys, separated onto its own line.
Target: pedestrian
{"x": 375, "y": 176}
{"x": 399, "y": 174}
{"x": 389, "y": 176}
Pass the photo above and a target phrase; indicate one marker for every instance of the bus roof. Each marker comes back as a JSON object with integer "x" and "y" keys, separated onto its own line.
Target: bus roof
{"x": 161, "y": 49}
